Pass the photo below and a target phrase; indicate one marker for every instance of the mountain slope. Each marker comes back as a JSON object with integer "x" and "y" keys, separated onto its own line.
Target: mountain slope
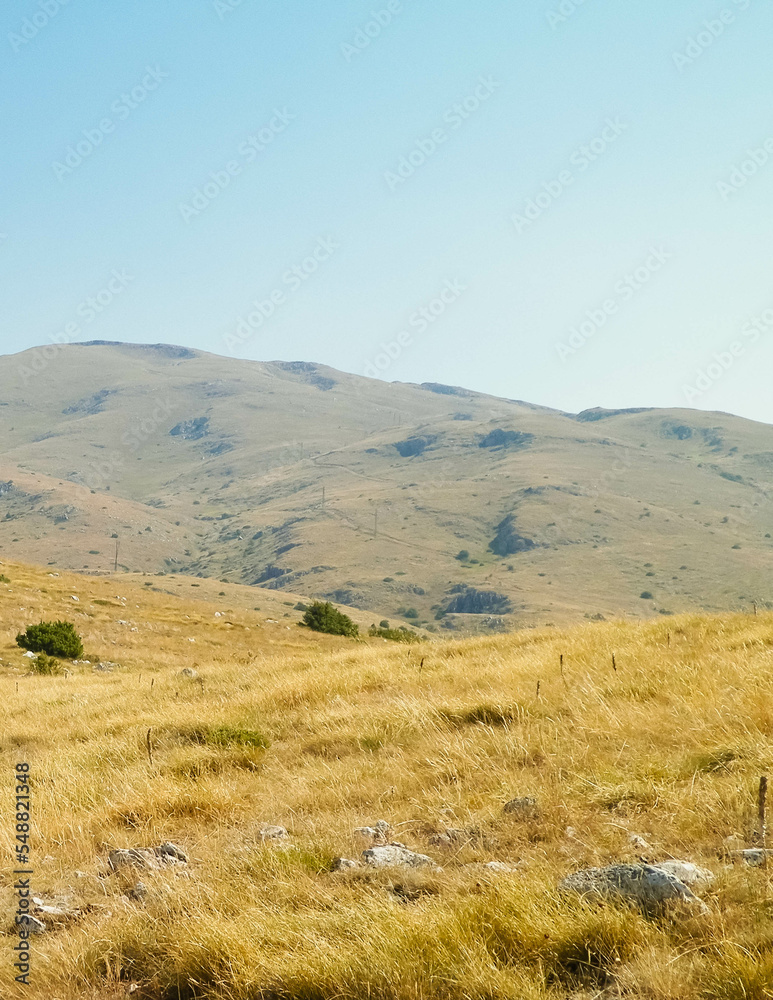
{"x": 299, "y": 477}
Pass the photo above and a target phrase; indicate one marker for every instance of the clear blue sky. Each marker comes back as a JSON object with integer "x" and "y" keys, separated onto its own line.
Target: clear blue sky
{"x": 331, "y": 119}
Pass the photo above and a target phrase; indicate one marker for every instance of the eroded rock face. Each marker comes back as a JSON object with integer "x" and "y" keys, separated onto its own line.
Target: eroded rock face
{"x": 650, "y": 887}
{"x": 396, "y": 855}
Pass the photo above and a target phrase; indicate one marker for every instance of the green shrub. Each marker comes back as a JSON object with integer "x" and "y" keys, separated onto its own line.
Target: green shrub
{"x": 4, "y": 578}
{"x": 323, "y": 617}
{"x": 646, "y": 595}
{"x": 411, "y": 613}
{"x": 46, "y": 665}
{"x": 383, "y": 623}
{"x": 462, "y": 556}
{"x": 54, "y": 638}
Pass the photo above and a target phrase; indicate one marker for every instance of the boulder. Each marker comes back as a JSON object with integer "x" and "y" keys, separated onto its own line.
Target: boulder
{"x": 149, "y": 858}
{"x": 649, "y": 887}
{"x": 395, "y": 855}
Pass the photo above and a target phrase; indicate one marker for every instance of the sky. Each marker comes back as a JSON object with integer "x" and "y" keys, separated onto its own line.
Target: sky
{"x": 558, "y": 201}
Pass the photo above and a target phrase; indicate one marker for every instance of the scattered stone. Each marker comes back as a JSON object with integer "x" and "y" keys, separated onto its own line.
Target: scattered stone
{"x": 395, "y": 855}
{"x": 649, "y": 887}
{"x": 74, "y": 598}
{"x": 523, "y": 809}
{"x": 148, "y": 858}
{"x": 138, "y": 892}
{"x": 273, "y": 833}
{"x": 29, "y": 655}
{"x": 755, "y": 857}
{"x": 105, "y": 668}
{"x": 168, "y": 850}
{"x": 344, "y": 864}
{"x": 34, "y": 925}
{"x": 498, "y": 866}
{"x": 378, "y": 834}
{"x": 639, "y": 842}
{"x": 189, "y": 672}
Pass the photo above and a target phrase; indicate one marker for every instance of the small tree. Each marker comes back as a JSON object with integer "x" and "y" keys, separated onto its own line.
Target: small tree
{"x": 53, "y": 638}
{"x": 324, "y": 617}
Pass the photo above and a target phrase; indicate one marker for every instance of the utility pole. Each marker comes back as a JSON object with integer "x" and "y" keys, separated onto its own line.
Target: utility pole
{"x": 323, "y": 494}
{"x": 116, "y": 556}
{"x": 375, "y": 524}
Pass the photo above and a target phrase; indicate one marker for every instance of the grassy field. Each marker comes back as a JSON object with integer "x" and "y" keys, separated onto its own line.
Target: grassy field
{"x": 324, "y": 735}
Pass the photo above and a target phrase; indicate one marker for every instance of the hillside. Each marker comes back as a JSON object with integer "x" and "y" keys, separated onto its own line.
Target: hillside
{"x": 301, "y": 478}
{"x": 261, "y": 767}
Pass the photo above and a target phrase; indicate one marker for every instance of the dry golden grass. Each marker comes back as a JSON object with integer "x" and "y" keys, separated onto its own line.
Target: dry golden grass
{"x": 669, "y": 747}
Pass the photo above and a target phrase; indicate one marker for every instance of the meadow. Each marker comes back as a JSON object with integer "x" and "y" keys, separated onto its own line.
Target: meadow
{"x": 656, "y": 756}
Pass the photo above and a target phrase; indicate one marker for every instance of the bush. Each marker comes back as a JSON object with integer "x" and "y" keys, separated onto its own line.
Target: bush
{"x": 323, "y": 617}
{"x": 4, "y": 578}
{"x": 462, "y": 556}
{"x": 49, "y": 666}
{"x": 54, "y": 638}
{"x": 383, "y": 623}
{"x": 646, "y": 596}
{"x": 411, "y": 613}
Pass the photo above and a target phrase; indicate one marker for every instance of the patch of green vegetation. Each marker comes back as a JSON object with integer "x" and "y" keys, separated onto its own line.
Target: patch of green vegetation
{"x": 53, "y": 638}
{"x": 324, "y": 617}
{"x": 401, "y": 634}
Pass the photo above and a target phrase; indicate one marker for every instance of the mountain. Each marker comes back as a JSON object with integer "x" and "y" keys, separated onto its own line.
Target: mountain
{"x": 297, "y": 477}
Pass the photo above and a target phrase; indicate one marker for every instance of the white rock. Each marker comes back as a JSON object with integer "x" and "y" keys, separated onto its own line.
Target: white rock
{"x": 688, "y": 873}
{"x": 396, "y": 855}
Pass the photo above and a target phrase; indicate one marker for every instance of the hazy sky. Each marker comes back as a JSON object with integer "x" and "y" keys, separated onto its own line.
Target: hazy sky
{"x": 430, "y": 191}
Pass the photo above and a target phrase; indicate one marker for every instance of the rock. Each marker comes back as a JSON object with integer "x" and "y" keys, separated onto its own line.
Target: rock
{"x": 378, "y": 834}
{"x": 106, "y": 667}
{"x": 29, "y": 655}
{"x": 138, "y": 892}
{"x": 52, "y": 910}
{"x": 498, "y": 866}
{"x": 273, "y": 833}
{"x": 639, "y": 842}
{"x": 523, "y": 809}
{"x": 168, "y": 850}
{"x": 189, "y": 672}
{"x": 149, "y": 858}
{"x": 344, "y": 864}
{"x": 648, "y": 887}
{"x": 395, "y": 855}
{"x": 133, "y": 858}
{"x": 687, "y": 873}
{"x": 755, "y": 857}
{"x": 74, "y": 598}
{"x": 451, "y": 838}
{"x": 34, "y": 925}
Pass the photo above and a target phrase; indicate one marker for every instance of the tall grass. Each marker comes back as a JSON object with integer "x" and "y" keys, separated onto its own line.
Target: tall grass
{"x": 323, "y": 735}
